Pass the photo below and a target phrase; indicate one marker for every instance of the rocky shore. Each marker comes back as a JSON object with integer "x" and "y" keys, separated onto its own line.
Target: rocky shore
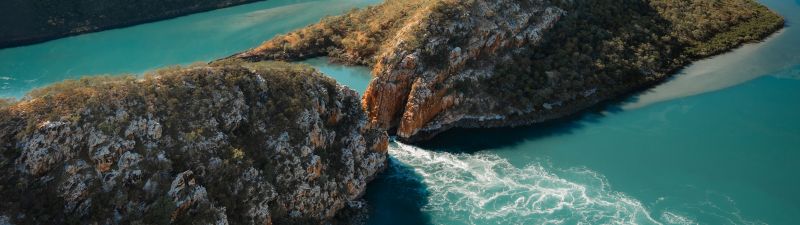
{"x": 444, "y": 64}
{"x": 227, "y": 143}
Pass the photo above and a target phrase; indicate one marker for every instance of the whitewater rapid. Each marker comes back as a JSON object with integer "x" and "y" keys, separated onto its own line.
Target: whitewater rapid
{"x": 482, "y": 188}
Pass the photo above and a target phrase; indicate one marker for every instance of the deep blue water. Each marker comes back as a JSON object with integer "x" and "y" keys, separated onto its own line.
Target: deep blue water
{"x": 718, "y": 144}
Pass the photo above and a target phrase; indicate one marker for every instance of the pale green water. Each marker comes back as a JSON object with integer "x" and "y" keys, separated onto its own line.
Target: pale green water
{"x": 720, "y": 144}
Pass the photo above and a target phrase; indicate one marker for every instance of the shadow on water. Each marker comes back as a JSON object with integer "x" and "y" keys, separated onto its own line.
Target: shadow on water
{"x": 470, "y": 140}
{"x": 397, "y": 196}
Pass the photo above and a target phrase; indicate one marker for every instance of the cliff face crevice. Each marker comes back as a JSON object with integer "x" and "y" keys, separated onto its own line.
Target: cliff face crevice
{"x": 420, "y": 57}
{"x": 240, "y": 143}
{"x": 458, "y": 43}
{"x": 479, "y": 63}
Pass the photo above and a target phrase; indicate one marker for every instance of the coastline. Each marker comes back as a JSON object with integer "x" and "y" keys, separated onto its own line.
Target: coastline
{"x": 19, "y": 42}
{"x": 576, "y": 109}
{"x": 420, "y": 92}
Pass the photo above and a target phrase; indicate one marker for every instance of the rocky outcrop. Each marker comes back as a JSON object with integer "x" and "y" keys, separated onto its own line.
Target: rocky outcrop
{"x": 228, "y": 143}
{"x": 414, "y": 85}
{"x": 27, "y": 22}
{"x": 449, "y": 63}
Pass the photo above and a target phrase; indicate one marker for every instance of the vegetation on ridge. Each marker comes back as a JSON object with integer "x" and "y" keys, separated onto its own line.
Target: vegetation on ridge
{"x": 691, "y": 29}
{"x": 624, "y": 43}
{"x": 230, "y": 141}
{"x": 483, "y": 63}
{"x": 164, "y": 87}
{"x": 353, "y": 38}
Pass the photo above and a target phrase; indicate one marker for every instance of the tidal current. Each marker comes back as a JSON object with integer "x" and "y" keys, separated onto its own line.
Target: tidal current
{"x": 717, "y": 144}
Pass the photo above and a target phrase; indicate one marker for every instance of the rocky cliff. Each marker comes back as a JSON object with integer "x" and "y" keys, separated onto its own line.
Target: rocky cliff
{"x": 490, "y": 63}
{"x": 228, "y": 143}
{"x": 27, "y": 22}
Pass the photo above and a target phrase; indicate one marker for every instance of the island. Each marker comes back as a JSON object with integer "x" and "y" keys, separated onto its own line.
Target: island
{"x": 224, "y": 143}
{"x": 444, "y": 64}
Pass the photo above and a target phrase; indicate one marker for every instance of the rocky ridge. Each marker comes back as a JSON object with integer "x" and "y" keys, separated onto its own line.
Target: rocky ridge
{"x": 480, "y": 63}
{"x": 227, "y": 143}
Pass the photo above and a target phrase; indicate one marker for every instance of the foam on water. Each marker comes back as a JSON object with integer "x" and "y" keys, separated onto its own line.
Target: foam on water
{"x": 673, "y": 218}
{"x": 483, "y": 188}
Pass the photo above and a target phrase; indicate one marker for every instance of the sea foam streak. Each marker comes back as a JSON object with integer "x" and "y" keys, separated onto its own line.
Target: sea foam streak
{"x": 483, "y": 188}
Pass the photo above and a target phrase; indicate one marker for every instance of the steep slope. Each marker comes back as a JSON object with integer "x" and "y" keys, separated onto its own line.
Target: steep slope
{"x": 253, "y": 143}
{"x": 26, "y": 22}
{"x": 480, "y": 63}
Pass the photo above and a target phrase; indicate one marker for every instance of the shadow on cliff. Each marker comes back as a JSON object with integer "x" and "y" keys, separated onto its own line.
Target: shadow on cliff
{"x": 397, "y": 196}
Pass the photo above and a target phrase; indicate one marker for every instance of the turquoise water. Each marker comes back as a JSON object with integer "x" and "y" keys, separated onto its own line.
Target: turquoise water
{"x": 718, "y": 144}
{"x": 354, "y": 77}
{"x": 726, "y": 157}
{"x": 184, "y": 40}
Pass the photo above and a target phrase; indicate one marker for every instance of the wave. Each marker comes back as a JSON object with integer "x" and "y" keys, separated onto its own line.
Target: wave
{"x": 484, "y": 188}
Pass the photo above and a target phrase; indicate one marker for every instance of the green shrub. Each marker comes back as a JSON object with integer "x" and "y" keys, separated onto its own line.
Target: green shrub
{"x": 602, "y": 43}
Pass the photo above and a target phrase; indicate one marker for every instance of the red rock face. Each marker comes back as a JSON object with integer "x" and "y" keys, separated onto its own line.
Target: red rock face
{"x": 384, "y": 100}
{"x": 436, "y": 45}
{"x": 413, "y": 88}
{"x": 422, "y": 108}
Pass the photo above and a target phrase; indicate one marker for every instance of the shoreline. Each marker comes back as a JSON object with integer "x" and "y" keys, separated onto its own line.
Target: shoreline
{"x": 579, "y": 108}
{"x": 38, "y": 39}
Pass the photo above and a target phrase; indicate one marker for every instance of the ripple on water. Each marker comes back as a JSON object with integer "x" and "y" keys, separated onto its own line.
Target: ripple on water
{"x": 673, "y": 218}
